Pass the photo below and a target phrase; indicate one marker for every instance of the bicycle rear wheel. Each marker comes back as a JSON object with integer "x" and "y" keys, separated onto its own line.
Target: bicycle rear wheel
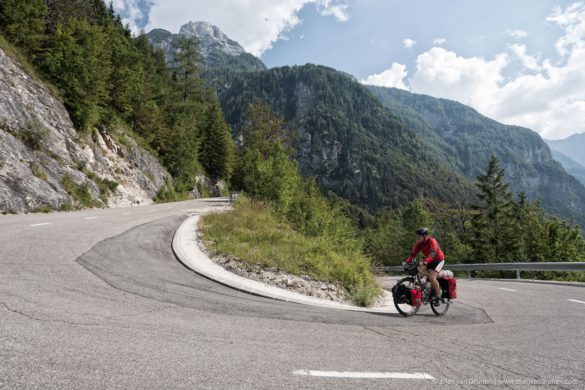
{"x": 401, "y": 297}
{"x": 440, "y": 310}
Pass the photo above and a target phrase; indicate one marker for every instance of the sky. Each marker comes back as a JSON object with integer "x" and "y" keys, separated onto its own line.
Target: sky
{"x": 520, "y": 62}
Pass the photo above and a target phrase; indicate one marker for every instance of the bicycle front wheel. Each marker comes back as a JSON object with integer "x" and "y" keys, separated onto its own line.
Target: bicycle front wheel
{"x": 402, "y": 299}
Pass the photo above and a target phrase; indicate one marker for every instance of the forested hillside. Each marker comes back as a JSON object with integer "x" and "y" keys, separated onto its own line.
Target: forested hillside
{"x": 468, "y": 140}
{"x": 344, "y": 136}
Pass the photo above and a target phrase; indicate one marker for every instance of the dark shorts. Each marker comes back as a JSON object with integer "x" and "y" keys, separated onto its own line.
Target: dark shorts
{"x": 436, "y": 266}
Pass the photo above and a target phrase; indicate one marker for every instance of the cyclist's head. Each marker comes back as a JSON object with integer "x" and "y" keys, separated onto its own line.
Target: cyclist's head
{"x": 422, "y": 232}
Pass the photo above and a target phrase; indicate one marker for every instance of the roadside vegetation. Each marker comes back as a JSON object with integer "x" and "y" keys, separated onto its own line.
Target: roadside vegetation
{"x": 288, "y": 223}
{"x": 497, "y": 228}
{"x": 253, "y": 232}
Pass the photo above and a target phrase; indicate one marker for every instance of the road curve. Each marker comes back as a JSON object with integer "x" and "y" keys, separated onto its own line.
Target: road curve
{"x": 96, "y": 299}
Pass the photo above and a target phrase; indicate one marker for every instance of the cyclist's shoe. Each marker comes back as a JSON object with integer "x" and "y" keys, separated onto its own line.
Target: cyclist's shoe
{"x": 436, "y": 301}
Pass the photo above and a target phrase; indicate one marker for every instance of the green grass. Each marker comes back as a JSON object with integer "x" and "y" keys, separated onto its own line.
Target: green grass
{"x": 79, "y": 192}
{"x": 254, "y": 234}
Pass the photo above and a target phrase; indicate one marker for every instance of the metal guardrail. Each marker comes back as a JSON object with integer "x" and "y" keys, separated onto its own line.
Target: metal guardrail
{"x": 518, "y": 267}
{"x": 234, "y": 196}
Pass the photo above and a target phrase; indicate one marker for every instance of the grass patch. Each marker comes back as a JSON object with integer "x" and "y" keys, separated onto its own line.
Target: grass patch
{"x": 34, "y": 136}
{"x": 42, "y": 209}
{"x": 79, "y": 192}
{"x": 38, "y": 171}
{"x": 253, "y": 233}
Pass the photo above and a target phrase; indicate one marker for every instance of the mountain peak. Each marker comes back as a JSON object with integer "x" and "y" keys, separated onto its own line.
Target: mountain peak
{"x": 211, "y": 37}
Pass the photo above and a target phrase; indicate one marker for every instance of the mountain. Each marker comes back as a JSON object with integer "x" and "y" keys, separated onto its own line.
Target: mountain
{"x": 345, "y": 137}
{"x": 571, "y": 166}
{"x": 573, "y": 147}
{"x": 470, "y": 139}
{"x": 45, "y": 164}
{"x": 222, "y": 57}
{"x": 380, "y": 147}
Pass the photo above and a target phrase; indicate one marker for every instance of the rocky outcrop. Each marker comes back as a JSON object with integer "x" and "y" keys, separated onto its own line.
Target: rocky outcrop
{"x": 217, "y": 49}
{"x": 46, "y": 164}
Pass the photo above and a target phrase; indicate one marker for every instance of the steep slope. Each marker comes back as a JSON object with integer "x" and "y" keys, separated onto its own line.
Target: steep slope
{"x": 473, "y": 138}
{"x": 573, "y": 147}
{"x": 45, "y": 164}
{"x": 571, "y": 166}
{"x": 346, "y": 138}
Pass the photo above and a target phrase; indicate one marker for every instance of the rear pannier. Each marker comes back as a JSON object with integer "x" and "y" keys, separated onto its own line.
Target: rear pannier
{"x": 449, "y": 287}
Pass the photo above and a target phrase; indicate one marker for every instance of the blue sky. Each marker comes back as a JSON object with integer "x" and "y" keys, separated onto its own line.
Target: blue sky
{"x": 519, "y": 62}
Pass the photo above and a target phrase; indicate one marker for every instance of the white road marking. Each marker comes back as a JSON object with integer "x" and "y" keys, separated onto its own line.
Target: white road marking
{"x": 170, "y": 207}
{"x": 126, "y": 213}
{"x": 574, "y": 300}
{"x": 505, "y": 289}
{"x": 40, "y": 224}
{"x": 91, "y": 218}
{"x": 364, "y": 375}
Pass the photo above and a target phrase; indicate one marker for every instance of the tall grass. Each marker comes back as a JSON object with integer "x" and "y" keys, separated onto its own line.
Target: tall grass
{"x": 253, "y": 233}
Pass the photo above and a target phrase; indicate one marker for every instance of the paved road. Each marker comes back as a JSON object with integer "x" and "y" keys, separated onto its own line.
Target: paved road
{"x": 96, "y": 299}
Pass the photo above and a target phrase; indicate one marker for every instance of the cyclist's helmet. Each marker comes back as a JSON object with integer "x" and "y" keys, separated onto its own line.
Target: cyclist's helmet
{"x": 422, "y": 232}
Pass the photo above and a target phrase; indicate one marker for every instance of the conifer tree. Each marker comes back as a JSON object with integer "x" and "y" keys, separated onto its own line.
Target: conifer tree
{"x": 187, "y": 67}
{"x": 495, "y": 230}
{"x": 216, "y": 152}
{"x": 23, "y": 22}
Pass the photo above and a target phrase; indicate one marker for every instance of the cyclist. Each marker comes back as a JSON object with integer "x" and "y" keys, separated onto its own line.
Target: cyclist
{"x": 432, "y": 265}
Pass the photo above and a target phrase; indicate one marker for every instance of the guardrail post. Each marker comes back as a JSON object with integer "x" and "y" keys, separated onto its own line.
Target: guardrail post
{"x": 469, "y": 274}
{"x": 233, "y": 196}
{"x": 517, "y": 274}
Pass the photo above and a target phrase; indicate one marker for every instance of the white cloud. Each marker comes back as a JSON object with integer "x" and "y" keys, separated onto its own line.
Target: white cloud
{"x": 544, "y": 95}
{"x": 255, "y": 24}
{"x": 573, "y": 21}
{"x": 439, "y": 41}
{"x": 130, "y": 12}
{"x": 330, "y": 8}
{"x": 473, "y": 81}
{"x": 517, "y": 34}
{"x": 393, "y": 77}
{"x": 529, "y": 62}
{"x": 408, "y": 43}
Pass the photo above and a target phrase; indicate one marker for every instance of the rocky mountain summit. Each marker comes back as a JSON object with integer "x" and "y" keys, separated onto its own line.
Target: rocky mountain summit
{"x": 45, "y": 164}
{"x": 211, "y": 38}
{"x": 216, "y": 48}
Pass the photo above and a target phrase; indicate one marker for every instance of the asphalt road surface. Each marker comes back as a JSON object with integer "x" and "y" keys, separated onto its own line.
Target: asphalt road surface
{"x": 97, "y": 299}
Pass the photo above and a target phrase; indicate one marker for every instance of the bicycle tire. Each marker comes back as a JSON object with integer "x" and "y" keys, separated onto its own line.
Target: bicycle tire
{"x": 440, "y": 310}
{"x": 404, "y": 308}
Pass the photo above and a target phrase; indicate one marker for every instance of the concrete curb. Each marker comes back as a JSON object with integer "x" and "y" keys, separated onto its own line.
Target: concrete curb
{"x": 191, "y": 256}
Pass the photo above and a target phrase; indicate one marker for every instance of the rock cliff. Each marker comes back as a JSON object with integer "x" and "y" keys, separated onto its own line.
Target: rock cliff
{"x": 45, "y": 164}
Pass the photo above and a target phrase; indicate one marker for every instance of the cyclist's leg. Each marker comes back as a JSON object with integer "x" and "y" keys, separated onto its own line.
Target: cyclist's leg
{"x": 434, "y": 269}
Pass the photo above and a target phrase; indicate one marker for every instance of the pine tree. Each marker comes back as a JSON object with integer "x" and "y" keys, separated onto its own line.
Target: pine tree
{"x": 216, "y": 152}
{"x": 187, "y": 68}
{"x": 495, "y": 230}
{"x": 78, "y": 61}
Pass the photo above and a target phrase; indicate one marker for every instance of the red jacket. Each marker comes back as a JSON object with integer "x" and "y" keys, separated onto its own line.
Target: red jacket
{"x": 430, "y": 248}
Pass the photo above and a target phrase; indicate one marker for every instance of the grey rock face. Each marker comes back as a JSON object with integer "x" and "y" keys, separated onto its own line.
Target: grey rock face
{"x": 216, "y": 48}
{"x": 39, "y": 147}
{"x": 211, "y": 37}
